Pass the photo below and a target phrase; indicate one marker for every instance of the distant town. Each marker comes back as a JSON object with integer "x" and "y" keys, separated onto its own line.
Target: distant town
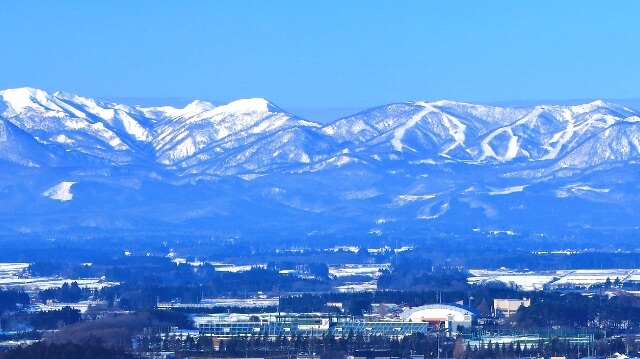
{"x": 336, "y": 302}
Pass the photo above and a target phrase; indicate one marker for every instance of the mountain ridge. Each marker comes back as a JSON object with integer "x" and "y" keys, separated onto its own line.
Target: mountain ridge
{"x": 411, "y": 165}
{"x": 443, "y": 129}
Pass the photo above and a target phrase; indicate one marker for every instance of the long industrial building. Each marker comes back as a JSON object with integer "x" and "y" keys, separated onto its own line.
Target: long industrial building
{"x": 423, "y": 319}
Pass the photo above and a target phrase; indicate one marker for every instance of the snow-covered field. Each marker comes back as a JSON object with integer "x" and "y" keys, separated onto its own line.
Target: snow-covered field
{"x": 42, "y": 283}
{"x": 358, "y": 287}
{"x": 12, "y": 269}
{"x": 236, "y": 268}
{"x": 370, "y": 270}
{"x": 526, "y": 281}
{"x": 554, "y": 279}
{"x": 13, "y": 275}
{"x": 82, "y": 306}
{"x": 219, "y": 266}
{"x": 594, "y": 276}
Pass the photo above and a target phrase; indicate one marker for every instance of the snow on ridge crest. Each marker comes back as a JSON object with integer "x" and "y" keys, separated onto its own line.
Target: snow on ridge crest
{"x": 201, "y": 132}
{"x": 20, "y": 99}
{"x": 199, "y": 106}
{"x": 248, "y": 105}
{"x": 24, "y": 92}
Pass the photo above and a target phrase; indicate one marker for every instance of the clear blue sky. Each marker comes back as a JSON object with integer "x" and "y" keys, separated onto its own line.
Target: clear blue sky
{"x": 324, "y": 54}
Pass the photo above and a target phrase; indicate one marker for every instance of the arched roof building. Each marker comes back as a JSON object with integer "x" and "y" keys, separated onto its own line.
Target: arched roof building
{"x": 445, "y": 316}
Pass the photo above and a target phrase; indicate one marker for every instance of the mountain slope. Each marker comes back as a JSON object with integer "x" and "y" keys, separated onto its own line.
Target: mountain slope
{"x": 77, "y": 165}
{"x": 18, "y": 147}
{"x": 75, "y": 123}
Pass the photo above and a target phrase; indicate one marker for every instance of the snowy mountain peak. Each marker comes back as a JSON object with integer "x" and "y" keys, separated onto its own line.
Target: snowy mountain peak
{"x": 624, "y": 111}
{"x": 249, "y": 105}
{"x": 593, "y": 106}
{"x": 20, "y": 99}
{"x": 255, "y": 135}
{"x": 24, "y": 92}
{"x": 415, "y": 161}
{"x": 199, "y": 106}
{"x": 444, "y": 103}
{"x": 598, "y": 103}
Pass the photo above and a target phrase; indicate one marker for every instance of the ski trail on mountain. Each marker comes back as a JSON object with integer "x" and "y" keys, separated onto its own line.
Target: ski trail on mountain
{"x": 399, "y": 132}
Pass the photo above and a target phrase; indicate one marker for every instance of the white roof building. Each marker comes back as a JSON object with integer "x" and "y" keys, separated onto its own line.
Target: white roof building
{"x": 445, "y": 316}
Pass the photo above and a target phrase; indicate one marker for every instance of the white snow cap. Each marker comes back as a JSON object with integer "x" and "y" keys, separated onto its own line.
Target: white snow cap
{"x": 249, "y": 105}
{"x": 199, "y": 106}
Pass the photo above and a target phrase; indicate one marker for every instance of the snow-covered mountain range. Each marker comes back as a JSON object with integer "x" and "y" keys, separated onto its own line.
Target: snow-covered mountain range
{"x": 72, "y": 163}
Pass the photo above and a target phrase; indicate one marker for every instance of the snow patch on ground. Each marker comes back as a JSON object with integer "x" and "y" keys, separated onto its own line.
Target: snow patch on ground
{"x": 249, "y": 177}
{"x": 60, "y": 192}
{"x": 64, "y": 139}
{"x": 384, "y": 220}
{"x": 507, "y": 232}
{"x": 408, "y": 198}
{"x": 364, "y": 194}
{"x": 587, "y": 188}
{"x": 577, "y": 189}
{"x": 427, "y": 161}
{"x": 507, "y": 190}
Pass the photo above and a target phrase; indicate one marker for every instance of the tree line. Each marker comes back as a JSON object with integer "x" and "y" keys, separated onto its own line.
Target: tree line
{"x": 332, "y": 346}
